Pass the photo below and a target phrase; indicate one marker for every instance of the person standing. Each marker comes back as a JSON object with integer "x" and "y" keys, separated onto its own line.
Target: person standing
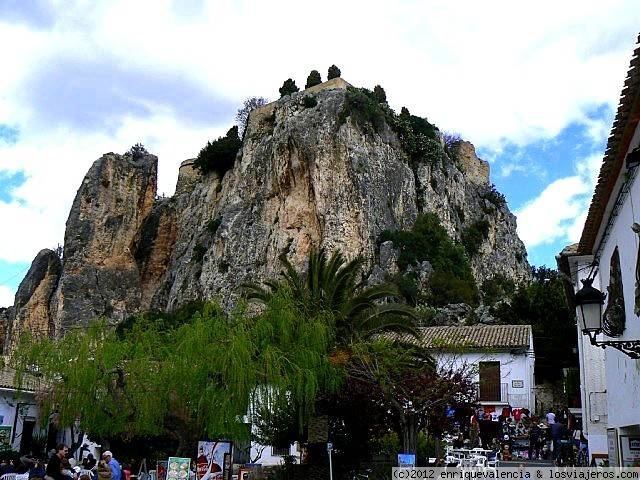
{"x": 551, "y": 417}
{"x": 116, "y": 469}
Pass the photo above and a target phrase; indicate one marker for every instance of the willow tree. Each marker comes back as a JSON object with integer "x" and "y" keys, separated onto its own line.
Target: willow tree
{"x": 185, "y": 381}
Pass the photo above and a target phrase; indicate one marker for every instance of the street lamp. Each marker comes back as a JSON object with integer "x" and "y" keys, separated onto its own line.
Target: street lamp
{"x": 589, "y": 301}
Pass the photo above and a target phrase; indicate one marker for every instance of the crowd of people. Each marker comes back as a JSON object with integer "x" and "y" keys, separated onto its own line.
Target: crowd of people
{"x": 518, "y": 433}
{"x": 61, "y": 466}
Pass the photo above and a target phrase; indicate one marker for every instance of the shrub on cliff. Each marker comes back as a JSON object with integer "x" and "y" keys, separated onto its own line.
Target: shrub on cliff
{"x": 452, "y": 143}
{"x": 313, "y": 79}
{"x": 218, "y": 156}
{"x": 417, "y": 135}
{"x": 363, "y": 108}
{"x": 380, "y": 94}
{"x": 473, "y": 236}
{"x": 494, "y": 196}
{"x": 288, "y": 87}
{"x": 137, "y": 151}
{"x": 452, "y": 280}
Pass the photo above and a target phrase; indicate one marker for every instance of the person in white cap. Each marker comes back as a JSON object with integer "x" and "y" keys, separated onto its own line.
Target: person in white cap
{"x": 116, "y": 469}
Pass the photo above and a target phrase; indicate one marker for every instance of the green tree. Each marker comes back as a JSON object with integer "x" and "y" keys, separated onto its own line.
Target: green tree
{"x": 313, "y": 79}
{"x": 334, "y": 72}
{"x": 288, "y": 87}
{"x": 159, "y": 378}
{"x": 380, "y": 94}
{"x": 542, "y": 304}
{"x": 219, "y": 156}
{"x": 332, "y": 286}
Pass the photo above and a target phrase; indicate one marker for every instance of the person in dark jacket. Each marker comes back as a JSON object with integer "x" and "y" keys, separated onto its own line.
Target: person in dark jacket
{"x": 54, "y": 467}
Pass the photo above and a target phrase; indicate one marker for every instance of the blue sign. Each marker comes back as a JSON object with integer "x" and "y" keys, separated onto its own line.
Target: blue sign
{"x": 406, "y": 460}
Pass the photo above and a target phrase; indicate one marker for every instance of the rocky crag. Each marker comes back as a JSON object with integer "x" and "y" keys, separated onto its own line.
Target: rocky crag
{"x": 305, "y": 177}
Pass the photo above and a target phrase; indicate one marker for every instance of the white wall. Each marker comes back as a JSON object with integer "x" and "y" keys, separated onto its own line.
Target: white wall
{"x": 512, "y": 367}
{"x": 10, "y": 402}
{"x": 264, "y": 454}
{"x": 593, "y": 386}
{"x": 622, "y": 372}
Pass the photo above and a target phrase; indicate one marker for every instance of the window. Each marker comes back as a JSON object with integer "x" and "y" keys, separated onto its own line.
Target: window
{"x": 489, "y": 382}
{"x": 280, "y": 451}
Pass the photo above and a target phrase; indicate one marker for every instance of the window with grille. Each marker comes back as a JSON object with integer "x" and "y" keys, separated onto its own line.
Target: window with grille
{"x": 280, "y": 451}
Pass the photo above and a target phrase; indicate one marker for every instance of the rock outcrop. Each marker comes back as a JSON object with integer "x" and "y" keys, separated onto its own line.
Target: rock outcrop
{"x": 31, "y": 310}
{"x": 306, "y": 177}
{"x": 100, "y": 275}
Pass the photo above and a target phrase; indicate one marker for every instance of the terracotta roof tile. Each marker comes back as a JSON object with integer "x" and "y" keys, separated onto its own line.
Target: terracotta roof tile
{"x": 7, "y": 375}
{"x": 622, "y": 132}
{"x": 473, "y": 337}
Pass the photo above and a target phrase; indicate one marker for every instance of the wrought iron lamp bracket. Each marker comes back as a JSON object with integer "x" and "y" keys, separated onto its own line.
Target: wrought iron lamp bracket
{"x": 631, "y": 348}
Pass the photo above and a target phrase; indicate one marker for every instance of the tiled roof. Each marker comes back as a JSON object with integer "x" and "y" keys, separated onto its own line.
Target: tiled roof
{"x": 473, "y": 337}
{"x": 7, "y": 375}
{"x": 622, "y": 132}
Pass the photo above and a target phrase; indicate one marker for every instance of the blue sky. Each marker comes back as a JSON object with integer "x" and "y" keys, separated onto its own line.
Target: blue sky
{"x": 534, "y": 92}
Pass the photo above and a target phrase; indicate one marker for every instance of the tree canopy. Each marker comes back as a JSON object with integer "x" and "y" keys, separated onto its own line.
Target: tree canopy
{"x": 313, "y": 79}
{"x": 333, "y": 72}
{"x": 220, "y": 155}
{"x": 288, "y": 87}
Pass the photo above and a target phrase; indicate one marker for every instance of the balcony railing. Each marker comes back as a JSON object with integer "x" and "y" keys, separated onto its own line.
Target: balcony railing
{"x": 492, "y": 392}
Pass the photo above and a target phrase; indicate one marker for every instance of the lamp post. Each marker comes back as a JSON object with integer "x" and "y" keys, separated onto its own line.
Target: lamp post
{"x": 589, "y": 301}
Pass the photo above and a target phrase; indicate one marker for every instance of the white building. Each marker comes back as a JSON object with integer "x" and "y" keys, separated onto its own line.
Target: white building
{"x": 608, "y": 253}
{"x": 19, "y": 422}
{"x": 502, "y": 358}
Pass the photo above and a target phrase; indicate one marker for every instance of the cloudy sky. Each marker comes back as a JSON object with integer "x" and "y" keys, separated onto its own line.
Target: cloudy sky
{"x": 533, "y": 85}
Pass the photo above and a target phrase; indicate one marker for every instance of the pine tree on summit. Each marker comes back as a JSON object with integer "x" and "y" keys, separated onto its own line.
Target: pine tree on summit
{"x": 334, "y": 72}
{"x": 313, "y": 79}
{"x": 288, "y": 87}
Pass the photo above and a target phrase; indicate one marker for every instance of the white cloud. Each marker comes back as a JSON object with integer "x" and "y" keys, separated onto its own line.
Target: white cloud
{"x": 559, "y": 211}
{"x": 6, "y": 296}
{"x": 496, "y": 72}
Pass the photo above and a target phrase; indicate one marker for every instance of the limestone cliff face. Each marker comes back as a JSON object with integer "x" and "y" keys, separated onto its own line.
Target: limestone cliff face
{"x": 460, "y": 193}
{"x": 302, "y": 180}
{"x": 100, "y": 274}
{"x": 31, "y": 309}
{"x": 305, "y": 177}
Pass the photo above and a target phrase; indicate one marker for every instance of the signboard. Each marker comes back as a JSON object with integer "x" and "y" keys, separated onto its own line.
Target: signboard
{"x": 630, "y": 447}
{"x": 210, "y": 460}
{"x": 329, "y": 446}
{"x": 517, "y": 383}
{"x": 612, "y": 442}
{"x": 406, "y": 460}
{"x": 5, "y": 438}
{"x": 178, "y": 468}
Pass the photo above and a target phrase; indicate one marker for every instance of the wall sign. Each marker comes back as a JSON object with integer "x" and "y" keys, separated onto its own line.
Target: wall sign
{"x": 612, "y": 443}
{"x": 5, "y": 438}
{"x": 630, "y": 447}
{"x": 517, "y": 383}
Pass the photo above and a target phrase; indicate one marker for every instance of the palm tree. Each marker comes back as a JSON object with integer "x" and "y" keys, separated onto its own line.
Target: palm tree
{"x": 333, "y": 286}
